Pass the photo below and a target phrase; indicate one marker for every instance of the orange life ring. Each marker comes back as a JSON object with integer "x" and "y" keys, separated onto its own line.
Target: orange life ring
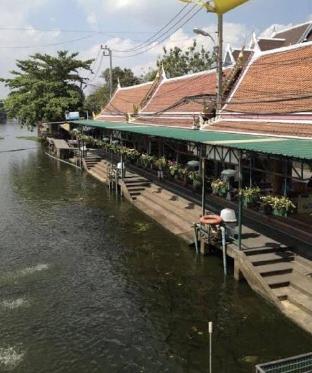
{"x": 211, "y": 219}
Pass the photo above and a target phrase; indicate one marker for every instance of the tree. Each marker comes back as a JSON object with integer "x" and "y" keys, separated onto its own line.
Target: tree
{"x": 125, "y": 76}
{"x": 100, "y": 97}
{"x": 96, "y": 100}
{"x": 178, "y": 62}
{"x": 45, "y": 87}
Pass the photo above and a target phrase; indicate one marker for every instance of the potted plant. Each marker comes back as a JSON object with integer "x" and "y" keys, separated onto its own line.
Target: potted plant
{"x": 146, "y": 160}
{"x": 196, "y": 179}
{"x": 174, "y": 169}
{"x": 183, "y": 172}
{"x": 132, "y": 155}
{"x": 250, "y": 196}
{"x": 281, "y": 206}
{"x": 219, "y": 187}
{"x": 160, "y": 165}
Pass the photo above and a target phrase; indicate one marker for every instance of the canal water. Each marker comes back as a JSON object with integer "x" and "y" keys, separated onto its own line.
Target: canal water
{"x": 90, "y": 284}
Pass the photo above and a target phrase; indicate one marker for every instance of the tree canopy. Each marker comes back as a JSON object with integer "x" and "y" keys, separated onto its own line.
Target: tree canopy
{"x": 45, "y": 86}
{"x": 178, "y": 62}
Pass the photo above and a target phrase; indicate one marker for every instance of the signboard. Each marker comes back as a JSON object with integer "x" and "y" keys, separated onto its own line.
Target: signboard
{"x": 217, "y": 6}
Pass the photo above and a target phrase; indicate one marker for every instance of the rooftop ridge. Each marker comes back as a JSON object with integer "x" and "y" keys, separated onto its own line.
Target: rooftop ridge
{"x": 134, "y": 86}
{"x": 267, "y": 38}
{"x": 211, "y": 71}
{"x": 281, "y": 49}
{"x": 291, "y": 27}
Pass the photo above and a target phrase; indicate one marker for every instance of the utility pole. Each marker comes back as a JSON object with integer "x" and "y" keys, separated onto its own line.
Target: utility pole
{"x": 107, "y": 52}
{"x": 220, "y": 63}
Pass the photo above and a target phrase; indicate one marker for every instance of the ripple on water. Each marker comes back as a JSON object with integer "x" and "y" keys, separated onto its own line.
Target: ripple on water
{"x": 12, "y": 304}
{"x": 13, "y": 276}
{"x": 10, "y": 358}
{"x": 30, "y": 270}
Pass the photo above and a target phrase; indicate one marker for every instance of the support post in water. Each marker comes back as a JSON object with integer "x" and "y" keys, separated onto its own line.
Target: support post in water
{"x": 210, "y": 345}
{"x": 240, "y": 201}
{"x": 203, "y": 171}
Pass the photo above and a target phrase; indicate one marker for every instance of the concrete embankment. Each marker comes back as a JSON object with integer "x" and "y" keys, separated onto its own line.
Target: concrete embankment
{"x": 271, "y": 269}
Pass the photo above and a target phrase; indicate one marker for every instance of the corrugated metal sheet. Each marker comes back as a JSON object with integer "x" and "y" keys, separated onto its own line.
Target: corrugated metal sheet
{"x": 292, "y": 148}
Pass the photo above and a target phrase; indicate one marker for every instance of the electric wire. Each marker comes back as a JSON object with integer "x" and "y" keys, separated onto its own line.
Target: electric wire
{"x": 151, "y": 39}
{"x": 156, "y": 43}
{"x": 46, "y": 45}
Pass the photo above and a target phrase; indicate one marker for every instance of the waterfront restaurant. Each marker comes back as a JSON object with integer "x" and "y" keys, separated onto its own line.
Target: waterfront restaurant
{"x": 264, "y": 130}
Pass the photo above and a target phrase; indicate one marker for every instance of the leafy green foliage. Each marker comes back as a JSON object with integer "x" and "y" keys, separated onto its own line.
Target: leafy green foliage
{"x": 178, "y": 62}
{"x": 45, "y": 86}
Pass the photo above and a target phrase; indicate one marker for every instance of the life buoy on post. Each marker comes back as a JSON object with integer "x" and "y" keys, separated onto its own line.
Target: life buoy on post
{"x": 211, "y": 219}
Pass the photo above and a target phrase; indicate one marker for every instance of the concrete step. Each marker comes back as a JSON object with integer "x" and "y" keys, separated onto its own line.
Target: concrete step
{"x": 172, "y": 222}
{"x": 274, "y": 269}
{"x": 298, "y": 315}
{"x": 135, "y": 189}
{"x": 281, "y": 293}
{"x": 302, "y": 283}
{"x": 271, "y": 258}
{"x": 135, "y": 194}
{"x": 277, "y": 281}
{"x": 175, "y": 207}
{"x": 264, "y": 250}
{"x": 129, "y": 183}
{"x": 300, "y": 299}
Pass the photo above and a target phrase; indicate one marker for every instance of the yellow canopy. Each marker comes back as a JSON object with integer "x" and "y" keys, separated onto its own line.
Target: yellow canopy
{"x": 217, "y": 6}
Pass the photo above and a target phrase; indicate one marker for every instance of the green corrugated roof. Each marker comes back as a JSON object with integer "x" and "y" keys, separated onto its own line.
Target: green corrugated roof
{"x": 293, "y": 148}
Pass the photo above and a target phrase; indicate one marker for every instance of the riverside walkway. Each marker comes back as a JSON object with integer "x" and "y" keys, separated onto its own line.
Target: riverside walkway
{"x": 272, "y": 267}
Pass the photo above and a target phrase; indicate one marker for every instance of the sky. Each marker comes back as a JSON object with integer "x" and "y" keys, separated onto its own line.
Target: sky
{"x": 45, "y": 26}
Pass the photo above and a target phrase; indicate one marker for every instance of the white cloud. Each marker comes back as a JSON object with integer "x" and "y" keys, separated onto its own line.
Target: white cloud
{"x": 150, "y": 13}
{"x": 268, "y": 32}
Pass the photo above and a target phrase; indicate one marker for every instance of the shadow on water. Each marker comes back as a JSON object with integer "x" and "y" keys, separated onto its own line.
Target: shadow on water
{"x": 89, "y": 284}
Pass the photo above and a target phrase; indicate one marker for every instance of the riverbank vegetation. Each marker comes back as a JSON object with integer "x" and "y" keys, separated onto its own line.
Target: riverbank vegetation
{"x": 43, "y": 87}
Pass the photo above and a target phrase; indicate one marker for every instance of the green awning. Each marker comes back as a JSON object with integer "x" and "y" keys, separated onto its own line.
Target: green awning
{"x": 292, "y": 148}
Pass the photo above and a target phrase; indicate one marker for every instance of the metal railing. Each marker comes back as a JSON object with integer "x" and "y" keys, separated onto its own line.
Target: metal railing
{"x": 296, "y": 364}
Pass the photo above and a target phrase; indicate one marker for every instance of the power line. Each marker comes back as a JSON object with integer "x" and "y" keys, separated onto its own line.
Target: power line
{"x": 45, "y": 45}
{"x": 71, "y": 31}
{"x": 150, "y": 39}
{"x": 161, "y": 40}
